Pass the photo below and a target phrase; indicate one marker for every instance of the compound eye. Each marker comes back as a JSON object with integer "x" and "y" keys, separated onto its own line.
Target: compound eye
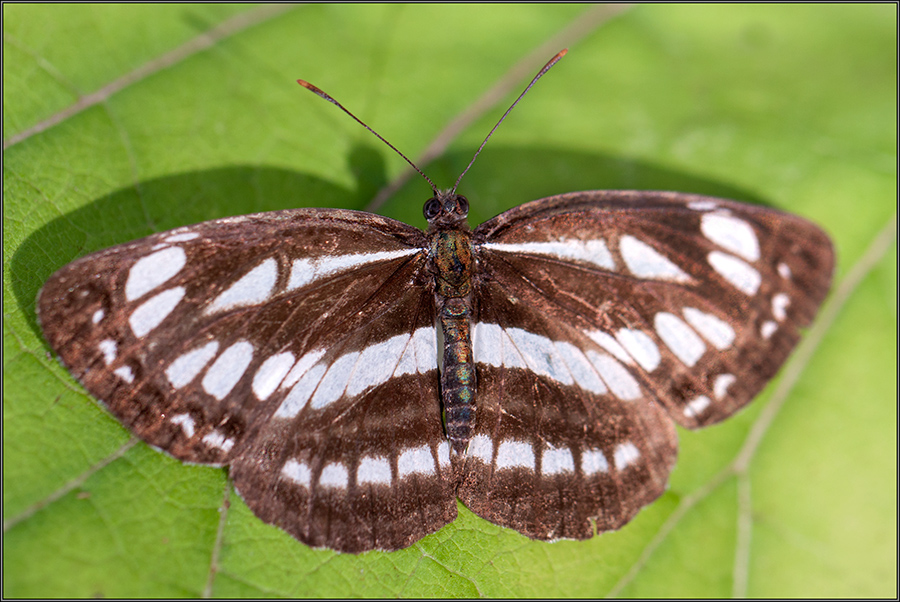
{"x": 432, "y": 208}
{"x": 462, "y": 205}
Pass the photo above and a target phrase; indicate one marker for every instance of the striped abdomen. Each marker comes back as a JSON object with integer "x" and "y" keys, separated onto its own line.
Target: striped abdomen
{"x": 458, "y": 375}
{"x": 451, "y": 254}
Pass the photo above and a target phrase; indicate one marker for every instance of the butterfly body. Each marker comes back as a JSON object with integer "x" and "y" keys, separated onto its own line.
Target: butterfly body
{"x": 452, "y": 263}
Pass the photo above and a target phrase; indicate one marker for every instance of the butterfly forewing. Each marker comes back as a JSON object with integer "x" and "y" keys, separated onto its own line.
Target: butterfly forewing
{"x": 700, "y": 299}
{"x": 185, "y": 334}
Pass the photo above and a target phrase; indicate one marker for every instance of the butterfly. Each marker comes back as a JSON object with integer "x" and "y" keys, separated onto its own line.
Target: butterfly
{"x": 357, "y": 375}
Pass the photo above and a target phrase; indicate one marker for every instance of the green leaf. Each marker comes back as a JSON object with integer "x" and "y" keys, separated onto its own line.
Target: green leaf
{"x": 793, "y": 106}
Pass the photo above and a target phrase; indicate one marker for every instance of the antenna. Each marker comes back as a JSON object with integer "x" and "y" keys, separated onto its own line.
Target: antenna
{"x": 322, "y": 94}
{"x": 540, "y": 74}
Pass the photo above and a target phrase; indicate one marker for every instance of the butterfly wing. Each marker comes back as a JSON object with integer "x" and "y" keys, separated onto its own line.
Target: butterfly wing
{"x": 564, "y": 438}
{"x": 652, "y": 306}
{"x": 210, "y": 340}
{"x": 700, "y": 297}
{"x": 354, "y": 458}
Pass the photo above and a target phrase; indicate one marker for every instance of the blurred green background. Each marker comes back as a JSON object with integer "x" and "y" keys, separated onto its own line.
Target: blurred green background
{"x": 793, "y": 106}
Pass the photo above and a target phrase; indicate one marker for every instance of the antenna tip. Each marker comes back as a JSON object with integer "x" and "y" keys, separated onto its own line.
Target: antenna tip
{"x": 315, "y": 90}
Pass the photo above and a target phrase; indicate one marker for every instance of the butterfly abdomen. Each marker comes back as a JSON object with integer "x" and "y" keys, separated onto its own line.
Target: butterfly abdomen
{"x": 451, "y": 255}
{"x": 458, "y": 375}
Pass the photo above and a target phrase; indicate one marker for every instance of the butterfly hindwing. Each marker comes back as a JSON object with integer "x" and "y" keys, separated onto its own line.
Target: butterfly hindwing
{"x": 566, "y": 442}
{"x": 354, "y": 458}
{"x": 701, "y": 298}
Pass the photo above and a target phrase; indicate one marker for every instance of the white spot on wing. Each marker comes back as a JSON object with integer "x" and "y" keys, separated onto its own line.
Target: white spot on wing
{"x": 562, "y": 361}
{"x": 297, "y": 472}
{"x": 334, "y": 475}
{"x": 646, "y": 262}
{"x": 271, "y": 373}
{"x": 493, "y": 346}
{"x": 721, "y": 384}
{"x": 589, "y": 251}
{"x": 481, "y": 447}
{"x": 378, "y": 362}
{"x": 415, "y": 460}
{"x": 679, "y": 338}
{"x": 217, "y": 439}
{"x": 125, "y": 374}
{"x": 98, "y": 315}
{"x": 228, "y": 369}
{"x": 419, "y": 354}
{"x": 152, "y": 312}
{"x": 607, "y": 342}
{"x": 696, "y": 406}
{"x": 509, "y": 353}
{"x": 780, "y": 303}
{"x": 615, "y": 375}
{"x": 732, "y": 234}
{"x": 182, "y": 237}
{"x": 784, "y": 270}
{"x": 425, "y": 342}
{"x": 740, "y": 274}
{"x": 702, "y": 205}
{"x": 540, "y": 355}
{"x": 297, "y": 397}
{"x": 307, "y": 270}
{"x": 252, "y": 288}
{"x": 641, "y": 347}
{"x": 625, "y": 455}
{"x": 335, "y": 381}
{"x": 711, "y": 328}
{"x": 374, "y": 470}
{"x": 303, "y": 364}
{"x": 486, "y": 344}
{"x": 149, "y": 272}
{"x": 109, "y": 349}
{"x": 557, "y": 460}
{"x": 443, "y": 454}
{"x": 593, "y": 461}
{"x": 186, "y": 423}
{"x": 515, "y": 454}
{"x": 184, "y": 369}
{"x": 580, "y": 368}
{"x": 768, "y": 328}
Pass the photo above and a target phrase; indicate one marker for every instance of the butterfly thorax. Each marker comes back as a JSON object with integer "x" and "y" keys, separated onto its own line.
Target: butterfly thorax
{"x": 451, "y": 256}
{"x": 452, "y": 264}
{"x": 450, "y": 244}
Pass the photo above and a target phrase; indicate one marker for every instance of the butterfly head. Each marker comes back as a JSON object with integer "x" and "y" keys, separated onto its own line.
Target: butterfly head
{"x": 446, "y": 208}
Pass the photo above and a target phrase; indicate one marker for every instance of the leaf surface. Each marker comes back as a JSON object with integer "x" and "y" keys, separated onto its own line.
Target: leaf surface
{"x": 789, "y": 106}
